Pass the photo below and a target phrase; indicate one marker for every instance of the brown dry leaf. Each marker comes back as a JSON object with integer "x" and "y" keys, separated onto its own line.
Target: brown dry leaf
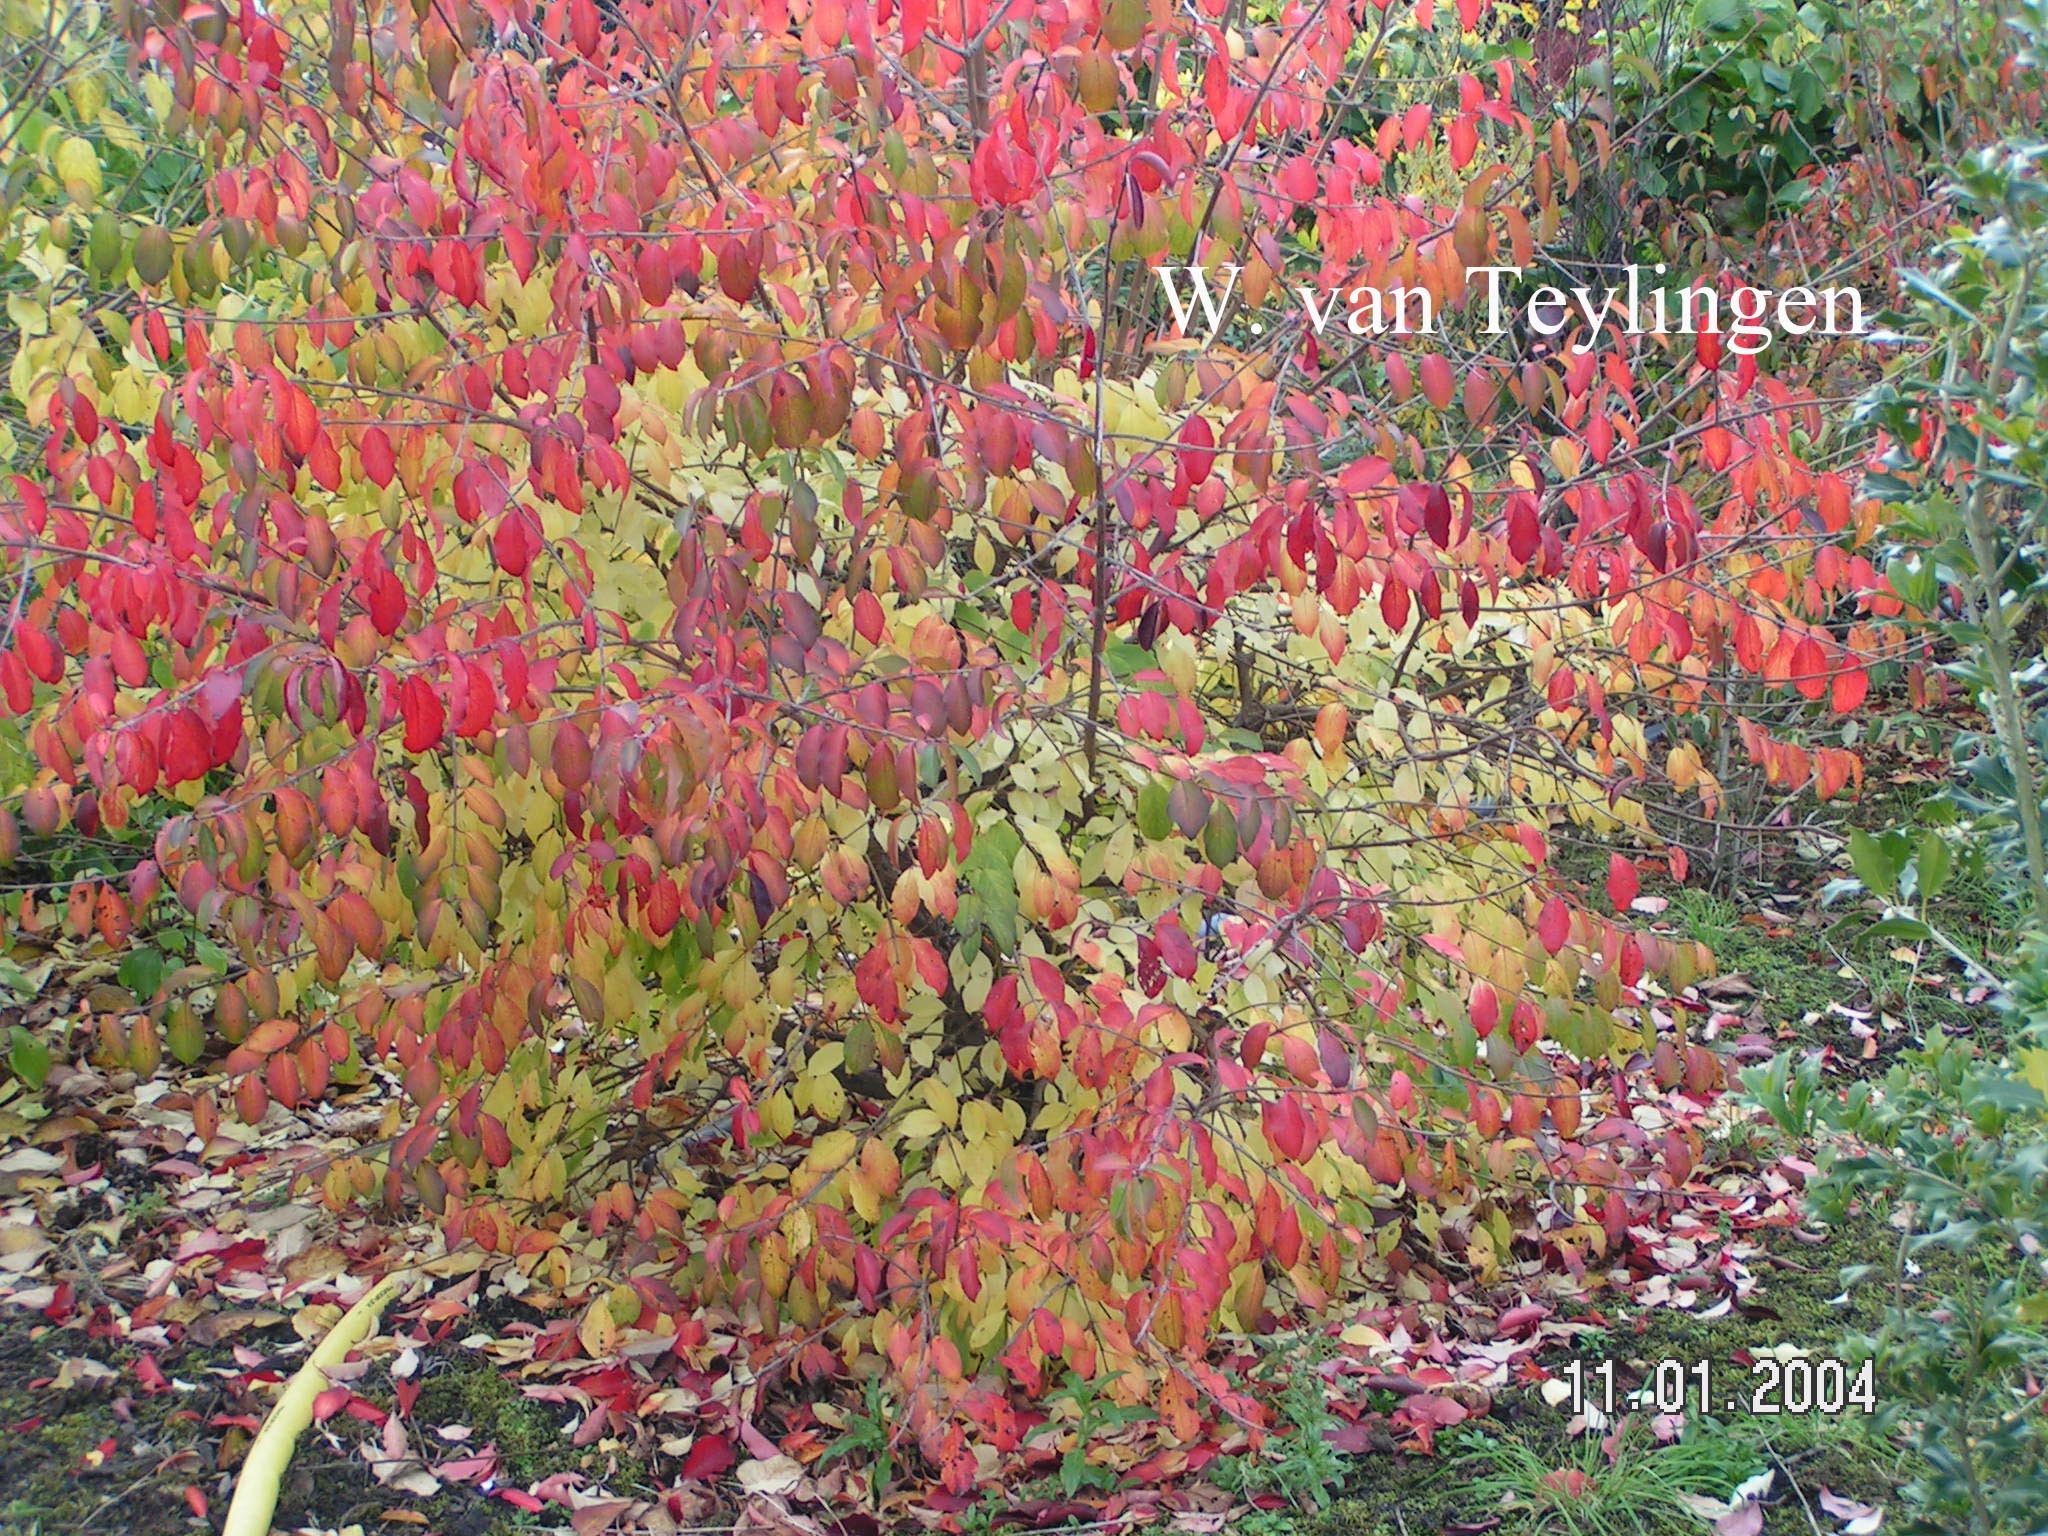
{"x": 594, "y": 1519}
{"x": 62, "y": 1128}
{"x": 1734, "y": 984}
{"x": 81, "y": 1373}
{"x": 318, "y": 1262}
{"x": 764, "y": 1517}
{"x": 212, "y": 1327}
{"x": 313, "y": 1323}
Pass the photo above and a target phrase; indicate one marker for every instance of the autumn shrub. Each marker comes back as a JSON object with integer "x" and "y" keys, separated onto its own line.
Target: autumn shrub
{"x": 643, "y": 589}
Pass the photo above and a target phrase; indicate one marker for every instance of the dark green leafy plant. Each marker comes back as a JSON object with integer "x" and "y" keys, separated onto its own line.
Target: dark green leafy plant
{"x": 870, "y": 1438}
{"x": 1954, "y": 1142}
{"x": 1965, "y": 474}
{"x": 1094, "y": 1414}
{"x": 1743, "y": 100}
{"x": 1298, "y": 1463}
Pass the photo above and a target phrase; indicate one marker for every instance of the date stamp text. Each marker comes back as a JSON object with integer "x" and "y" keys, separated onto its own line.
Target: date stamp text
{"x": 1792, "y": 1388}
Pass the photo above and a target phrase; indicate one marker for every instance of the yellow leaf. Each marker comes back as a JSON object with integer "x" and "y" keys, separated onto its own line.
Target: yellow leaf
{"x": 863, "y": 1196}
{"x": 78, "y": 167}
{"x": 598, "y": 1331}
{"x": 88, "y": 95}
{"x": 944, "y": 1102}
{"x": 29, "y": 317}
{"x": 156, "y": 90}
{"x": 828, "y": 1098}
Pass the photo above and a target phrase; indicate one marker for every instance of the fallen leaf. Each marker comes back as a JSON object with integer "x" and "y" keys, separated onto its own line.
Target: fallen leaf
{"x": 1756, "y": 1487}
{"x": 598, "y": 1331}
{"x": 80, "y": 1373}
{"x": 1861, "y": 1519}
{"x": 778, "y": 1474}
{"x": 1708, "y": 1509}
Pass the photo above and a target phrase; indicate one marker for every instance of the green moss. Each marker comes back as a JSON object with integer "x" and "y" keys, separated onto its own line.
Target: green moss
{"x": 531, "y": 1441}
{"x": 1402, "y": 1494}
{"x": 62, "y": 1475}
{"x": 1800, "y": 966}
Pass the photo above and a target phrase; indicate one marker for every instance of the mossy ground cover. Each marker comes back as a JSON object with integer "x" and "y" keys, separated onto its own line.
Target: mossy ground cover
{"x": 86, "y": 1453}
{"x": 58, "y": 1412}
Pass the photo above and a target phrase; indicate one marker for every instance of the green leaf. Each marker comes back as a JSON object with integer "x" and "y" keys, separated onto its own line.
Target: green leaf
{"x": 1872, "y": 865}
{"x": 1219, "y": 837}
{"x": 142, "y": 972}
{"x": 1127, "y": 660}
{"x": 1155, "y": 820}
{"x": 28, "y": 1057}
{"x": 1929, "y": 289}
{"x": 991, "y": 876}
{"x": 1933, "y": 865}
{"x": 1720, "y": 15}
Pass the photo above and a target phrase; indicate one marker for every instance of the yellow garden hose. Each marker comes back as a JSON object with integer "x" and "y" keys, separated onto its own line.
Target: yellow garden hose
{"x": 263, "y": 1469}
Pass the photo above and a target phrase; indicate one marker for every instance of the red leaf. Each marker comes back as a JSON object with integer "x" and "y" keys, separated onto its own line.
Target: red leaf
{"x": 1394, "y": 603}
{"x": 426, "y": 718}
{"x": 1524, "y": 537}
{"x": 1197, "y": 451}
{"x": 1621, "y": 882}
{"x": 1485, "y": 1010}
{"x": 709, "y": 1457}
{"x": 868, "y": 620}
{"x": 1849, "y": 689}
{"x": 1464, "y": 138}
{"x": 1437, "y": 383}
{"x": 1809, "y": 668}
{"x": 188, "y": 750}
{"x": 514, "y": 542}
{"x": 1176, "y": 949}
{"x": 378, "y": 461}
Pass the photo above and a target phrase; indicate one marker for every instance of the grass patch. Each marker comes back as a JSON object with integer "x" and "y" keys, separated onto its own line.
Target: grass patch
{"x": 1806, "y": 967}
{"x": 1800, "y": 1301}
{"x": 1628, "y": 1485}
{"x": 1518, "y": 1467}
